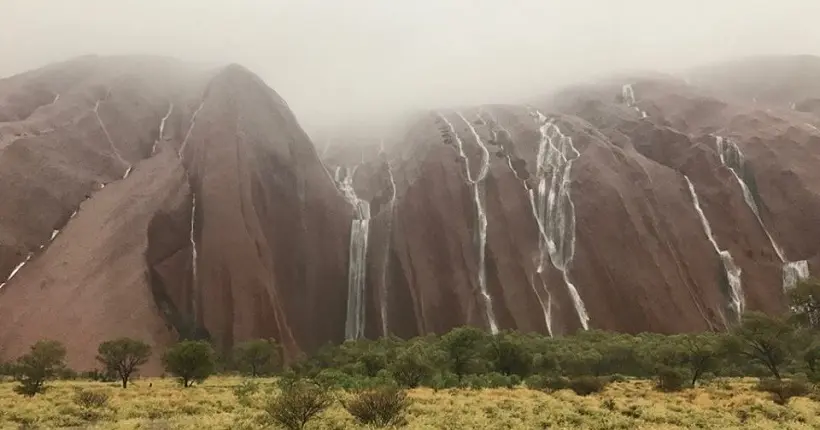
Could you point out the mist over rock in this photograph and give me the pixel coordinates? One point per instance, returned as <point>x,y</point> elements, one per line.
<point>148,198</point>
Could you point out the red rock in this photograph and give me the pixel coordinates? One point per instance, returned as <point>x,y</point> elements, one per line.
<point>271,228</point>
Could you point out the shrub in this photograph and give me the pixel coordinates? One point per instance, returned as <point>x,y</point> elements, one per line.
<point>412,367</point>
<point>98,376</point>
<point>444,380</point>
<point>244,391</point>
<point>91,399</point>
<point>123,357</point>
<point>381,407</point>
<point>43,362</point>
<point>91,403</point>
<point>190,361</point>
<point>466,350</point>
<point>511,356</point>
<point>490,380</point>
<point>671,379</point>
<point>297,404</point>
<point>547,383</point>
<point>257,357</point>
<point>586,385</point>
<point>783,390</point>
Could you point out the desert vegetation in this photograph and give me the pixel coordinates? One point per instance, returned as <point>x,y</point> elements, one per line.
<point>763,373</point>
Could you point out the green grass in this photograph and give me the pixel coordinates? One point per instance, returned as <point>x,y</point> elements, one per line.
<point>724,404</point>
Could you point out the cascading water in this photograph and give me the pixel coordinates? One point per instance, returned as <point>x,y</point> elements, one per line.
<point>476,186</point>
<point>192,232</point>
<point>357,263</point>
<point>546,306</point>
<point>162,128</point>
<point>628,95</point>
<point>192,239</point>
<point>554,206</point>
<point>17,269</point>
<point>733,272</point>
<point>732,158</point>
<point>388,243</point>
<point>111,141</point>
<point>190,129</point>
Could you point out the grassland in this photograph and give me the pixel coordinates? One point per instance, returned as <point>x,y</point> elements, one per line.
<point>161,404</point>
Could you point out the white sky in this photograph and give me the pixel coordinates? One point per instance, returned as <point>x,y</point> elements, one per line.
<point>342,60</point>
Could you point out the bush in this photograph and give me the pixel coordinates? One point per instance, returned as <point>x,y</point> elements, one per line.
<point>333,379</point>
<point>123,357</point>
<point>783,390</point>
<point>190,361</point>
<point>381,407</point>
<point>244,391</point>
<point>98,376</point>
<point>671,379</point>
<point>586,385</point>
<point>297,404</point>
<point>91,399</point>
<point>257,357</point>
<point>44,361</point>
<point>412,367</point>
<point>490,380</point>
<point>547,383</point>
<point>92,404</point>
<point>444,380</point>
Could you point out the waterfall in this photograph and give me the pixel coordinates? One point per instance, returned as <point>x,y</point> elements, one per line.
<point>17,269</point>
<point>553,204</point>
<point>732,158</point>
<point>546,306</point>
<point>388,241</point>
<point>738,301</point>
<point>357,262</point>
<point>476,186</point>
<point>190,129</point>
<point>192,239</point>
<point>162,128</point>
<point>628,95</point>
<point>794,271</point>
<point>111,141</point>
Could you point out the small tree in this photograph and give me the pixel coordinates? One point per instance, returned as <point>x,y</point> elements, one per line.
<point>764,339</point>
<point>412,367</point>
<point>811,357</point>
<point>123,356</point>
<point>257,357</point>
<point>465,348</point>
<point>43,362</point>
<point>805,303</point>
<point>298,403</point>
<point>511,356</point>
<point>190,361</point>
<point>701,353</point>
<point>380,407</point>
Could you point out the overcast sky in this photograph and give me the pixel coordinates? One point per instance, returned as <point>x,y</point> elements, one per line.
<point>338,60</point>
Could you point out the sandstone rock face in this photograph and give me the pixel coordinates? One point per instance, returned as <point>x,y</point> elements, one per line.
<point>150,199</point>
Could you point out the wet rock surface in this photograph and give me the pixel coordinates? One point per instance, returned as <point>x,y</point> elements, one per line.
<point>573,212</point>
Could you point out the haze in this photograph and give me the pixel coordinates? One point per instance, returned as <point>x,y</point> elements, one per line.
<point>357,61</point>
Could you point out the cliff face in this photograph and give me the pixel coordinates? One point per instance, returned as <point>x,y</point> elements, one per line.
<point>149,199</point>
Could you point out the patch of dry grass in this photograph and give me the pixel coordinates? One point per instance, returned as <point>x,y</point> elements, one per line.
<point>627,405</point>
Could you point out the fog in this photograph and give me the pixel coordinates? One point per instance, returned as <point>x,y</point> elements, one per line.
<point>341,61</point>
